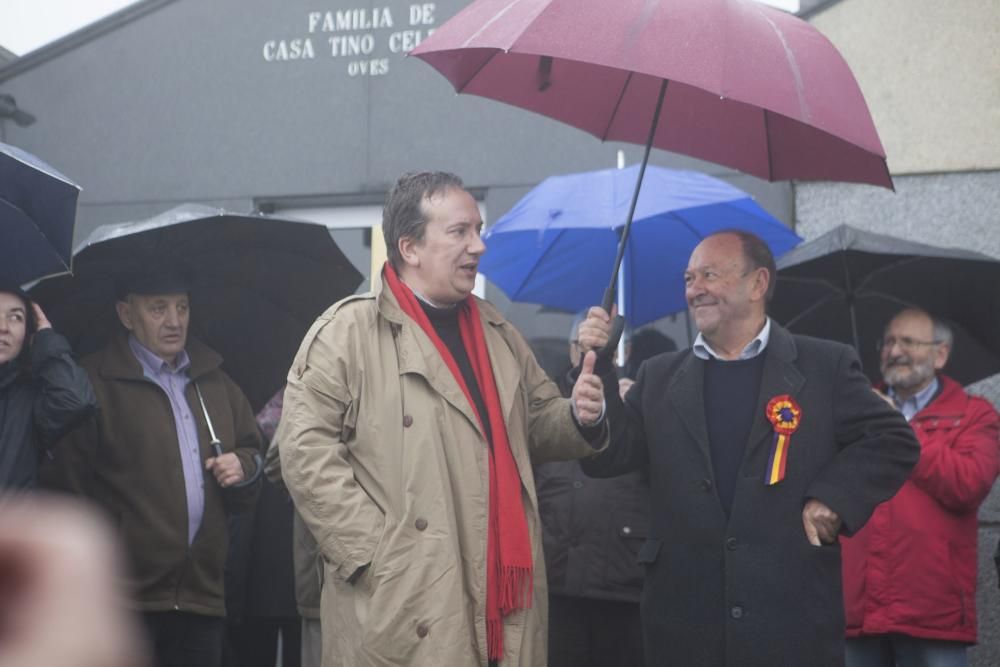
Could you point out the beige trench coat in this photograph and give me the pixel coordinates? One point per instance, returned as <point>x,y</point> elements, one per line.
<point>387,465</point>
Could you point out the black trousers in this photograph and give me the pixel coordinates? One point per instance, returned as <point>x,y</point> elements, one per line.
<point>182,639</point>
<point>254,642</point>
<point>584,632</point>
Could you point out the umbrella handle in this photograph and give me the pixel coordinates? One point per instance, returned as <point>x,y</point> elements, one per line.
<point>258,466</point>
<point>617,327</point>
<point>259,469</point>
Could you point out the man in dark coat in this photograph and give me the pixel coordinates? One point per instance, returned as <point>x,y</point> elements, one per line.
<point>761,448</point>
<point>147,459</point>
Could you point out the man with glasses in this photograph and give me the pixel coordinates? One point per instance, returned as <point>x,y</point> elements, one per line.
<point>910,574</point>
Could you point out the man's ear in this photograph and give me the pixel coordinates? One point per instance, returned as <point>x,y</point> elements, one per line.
<point>407,247</point>
<point>941,355</point>
<point>124,314</point>
<point>761,281</point>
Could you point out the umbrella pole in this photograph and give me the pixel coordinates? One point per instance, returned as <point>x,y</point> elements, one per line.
<point>618,325</point>
<point>622,308</point>
<point>850,308</point>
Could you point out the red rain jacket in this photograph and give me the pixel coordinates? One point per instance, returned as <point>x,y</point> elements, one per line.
<point>912,568</point>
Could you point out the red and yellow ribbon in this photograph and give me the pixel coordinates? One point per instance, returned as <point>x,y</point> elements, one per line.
<point>785,415</point>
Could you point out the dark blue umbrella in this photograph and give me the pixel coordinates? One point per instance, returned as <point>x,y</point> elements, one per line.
<point>557,245</point>
<point>37,214</point>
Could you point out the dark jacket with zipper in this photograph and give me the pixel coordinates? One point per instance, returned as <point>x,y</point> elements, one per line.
<point>592,528</point>
<point>38,407</point>
<point>127,460</point>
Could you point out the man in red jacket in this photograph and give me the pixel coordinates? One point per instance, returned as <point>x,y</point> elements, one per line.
<point>910,573</point>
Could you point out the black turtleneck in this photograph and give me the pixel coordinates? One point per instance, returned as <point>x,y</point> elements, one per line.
<point>445,323</point>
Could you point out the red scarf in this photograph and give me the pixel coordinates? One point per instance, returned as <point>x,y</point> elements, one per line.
<point>509,568</point>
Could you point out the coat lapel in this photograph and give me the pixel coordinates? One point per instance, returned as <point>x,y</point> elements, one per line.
<point>780,377</point>
<point>417,354</point>
<point>687,395</point>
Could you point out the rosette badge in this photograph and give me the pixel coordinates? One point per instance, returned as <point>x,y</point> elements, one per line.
<point>785,416</point>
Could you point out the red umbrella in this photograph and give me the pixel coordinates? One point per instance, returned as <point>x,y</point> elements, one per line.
<point>729,81</point>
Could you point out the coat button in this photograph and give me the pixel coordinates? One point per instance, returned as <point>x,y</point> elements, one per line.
<point>626,530</point>
<point>407,421</point>
<point>577,484</point>
<point>706,485</point>
<point>421,524</point>
<point>422,630</point>
<point>731,544</point>
<point>736,612</point>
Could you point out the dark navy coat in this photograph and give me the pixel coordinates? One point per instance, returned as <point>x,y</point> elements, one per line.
<point>752,591</point>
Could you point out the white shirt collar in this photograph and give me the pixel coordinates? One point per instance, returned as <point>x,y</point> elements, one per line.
<point>703,350</point>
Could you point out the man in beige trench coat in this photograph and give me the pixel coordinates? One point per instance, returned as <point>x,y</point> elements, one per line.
<point>412,417</point>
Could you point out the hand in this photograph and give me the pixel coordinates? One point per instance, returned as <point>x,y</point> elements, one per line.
<point>588,393</point>
<point>624,384</point>
<point>43,322</point>
<point>594,331</point>
<point>885,397</point>
<point>61,601</point>
<point>227,469</point>
<point>820,522</point>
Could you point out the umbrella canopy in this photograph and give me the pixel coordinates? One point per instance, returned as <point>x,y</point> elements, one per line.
<point>37,215</point>
<point>747,86</point>
<point>257,284</point>
<point>733,82</point>
<point>847,284</point>
<point>557,245</point>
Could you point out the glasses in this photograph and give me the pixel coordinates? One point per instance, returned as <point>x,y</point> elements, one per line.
<point>906,343</point>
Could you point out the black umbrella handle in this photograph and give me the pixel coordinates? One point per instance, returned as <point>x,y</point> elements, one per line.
<point>258,464</point>
<point>258,470</point>
<point>617,327</point>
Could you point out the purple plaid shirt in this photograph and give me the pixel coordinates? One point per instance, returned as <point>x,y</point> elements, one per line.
<point>173,382</point>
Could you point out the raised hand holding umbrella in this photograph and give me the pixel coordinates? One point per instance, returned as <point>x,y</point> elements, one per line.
<point>735,82</point>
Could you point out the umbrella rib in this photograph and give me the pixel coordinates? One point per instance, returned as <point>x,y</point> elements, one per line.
<point>611,118</point>
<point>538,262</point>
<point>767,143</point>
<point>822,302</point>
<point>479,69</point>
<point>889,267</point>
<point>884,295</point>
<point>813,281</point>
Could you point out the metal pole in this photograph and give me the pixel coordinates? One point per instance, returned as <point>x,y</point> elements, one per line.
<point>618,324</point>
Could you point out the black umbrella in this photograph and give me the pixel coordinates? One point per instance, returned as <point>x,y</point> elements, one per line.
<point>37,214</point>
<point>847,284</point>
<point>257,284</point>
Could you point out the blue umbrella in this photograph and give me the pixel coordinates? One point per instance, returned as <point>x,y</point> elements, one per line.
<point>37,214</point>
<point>558,244</point>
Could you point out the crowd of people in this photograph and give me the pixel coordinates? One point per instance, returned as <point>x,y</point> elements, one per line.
<point>437,499</point>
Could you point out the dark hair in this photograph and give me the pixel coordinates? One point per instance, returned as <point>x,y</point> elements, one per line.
<point>756,255</point>
<point>403,213</point>
<point>30,324</point>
